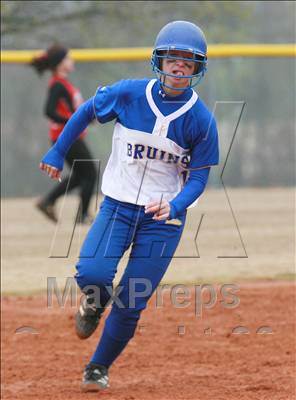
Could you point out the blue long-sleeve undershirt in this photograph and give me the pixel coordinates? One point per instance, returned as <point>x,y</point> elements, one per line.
<point>79,122</point>
<point>82,117</point>
<point>193,188</point>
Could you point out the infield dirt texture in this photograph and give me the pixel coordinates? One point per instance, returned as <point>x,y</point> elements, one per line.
<point>244,352</point>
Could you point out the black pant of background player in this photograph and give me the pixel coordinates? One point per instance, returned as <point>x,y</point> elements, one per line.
<point>83,175</point>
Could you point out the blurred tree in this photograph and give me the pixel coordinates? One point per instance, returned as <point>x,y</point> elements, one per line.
<point>133,23</point>
<point>264,139</point>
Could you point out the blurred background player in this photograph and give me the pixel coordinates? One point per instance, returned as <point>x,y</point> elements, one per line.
<point>62,101</point>
<point>163,130</point>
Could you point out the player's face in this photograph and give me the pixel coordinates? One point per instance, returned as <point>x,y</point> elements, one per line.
<point>178,67</point>
<point>66,65</point>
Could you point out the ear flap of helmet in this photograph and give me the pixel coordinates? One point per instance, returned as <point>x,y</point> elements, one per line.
<point>201,64</point>
<point>157,59</point>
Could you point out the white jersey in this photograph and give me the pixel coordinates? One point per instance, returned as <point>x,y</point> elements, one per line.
<point>158,142</point>
<point>146,166</point>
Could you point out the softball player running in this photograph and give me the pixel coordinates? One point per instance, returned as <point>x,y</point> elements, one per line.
<point>164,143</point>
<point>62,101</point>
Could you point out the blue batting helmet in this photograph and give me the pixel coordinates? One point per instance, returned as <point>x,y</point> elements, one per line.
<point>180,35</point>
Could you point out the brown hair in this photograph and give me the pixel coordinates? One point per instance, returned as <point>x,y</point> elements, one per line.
<point>50,59</point>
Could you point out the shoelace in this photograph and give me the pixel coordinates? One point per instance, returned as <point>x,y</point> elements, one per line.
<point>96,372</point>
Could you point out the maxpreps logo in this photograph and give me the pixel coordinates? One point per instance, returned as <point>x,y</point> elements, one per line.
<point>139,152</point>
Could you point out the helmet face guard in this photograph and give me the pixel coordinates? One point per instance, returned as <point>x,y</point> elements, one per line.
<point>182,36</point>
<point>200,66</point>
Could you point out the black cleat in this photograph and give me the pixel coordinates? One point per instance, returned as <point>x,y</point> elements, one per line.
<point>95,378</point>
<point>47,210</point>
<point>85,219</point>
<point>87,319</point>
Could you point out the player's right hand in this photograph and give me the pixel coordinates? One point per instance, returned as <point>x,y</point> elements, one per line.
<point>51,171</point>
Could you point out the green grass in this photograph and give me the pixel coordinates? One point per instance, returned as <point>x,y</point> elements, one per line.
<point>286,277</point>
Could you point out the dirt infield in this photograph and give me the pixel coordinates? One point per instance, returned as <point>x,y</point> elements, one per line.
<point>174,355</point>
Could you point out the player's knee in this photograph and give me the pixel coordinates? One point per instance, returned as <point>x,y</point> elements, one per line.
<point>88,274</point>
<point>88,173</point>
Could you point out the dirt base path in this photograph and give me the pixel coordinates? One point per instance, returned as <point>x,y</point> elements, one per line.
<point>174,355</point>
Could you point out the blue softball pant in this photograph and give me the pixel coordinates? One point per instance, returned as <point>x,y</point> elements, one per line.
<point>118,226</point>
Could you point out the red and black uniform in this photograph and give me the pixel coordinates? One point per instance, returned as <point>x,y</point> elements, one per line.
<point>62,101</point>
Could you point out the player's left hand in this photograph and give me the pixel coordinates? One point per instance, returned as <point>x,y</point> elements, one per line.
<point>51,171</point>
<point>161,209</point>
